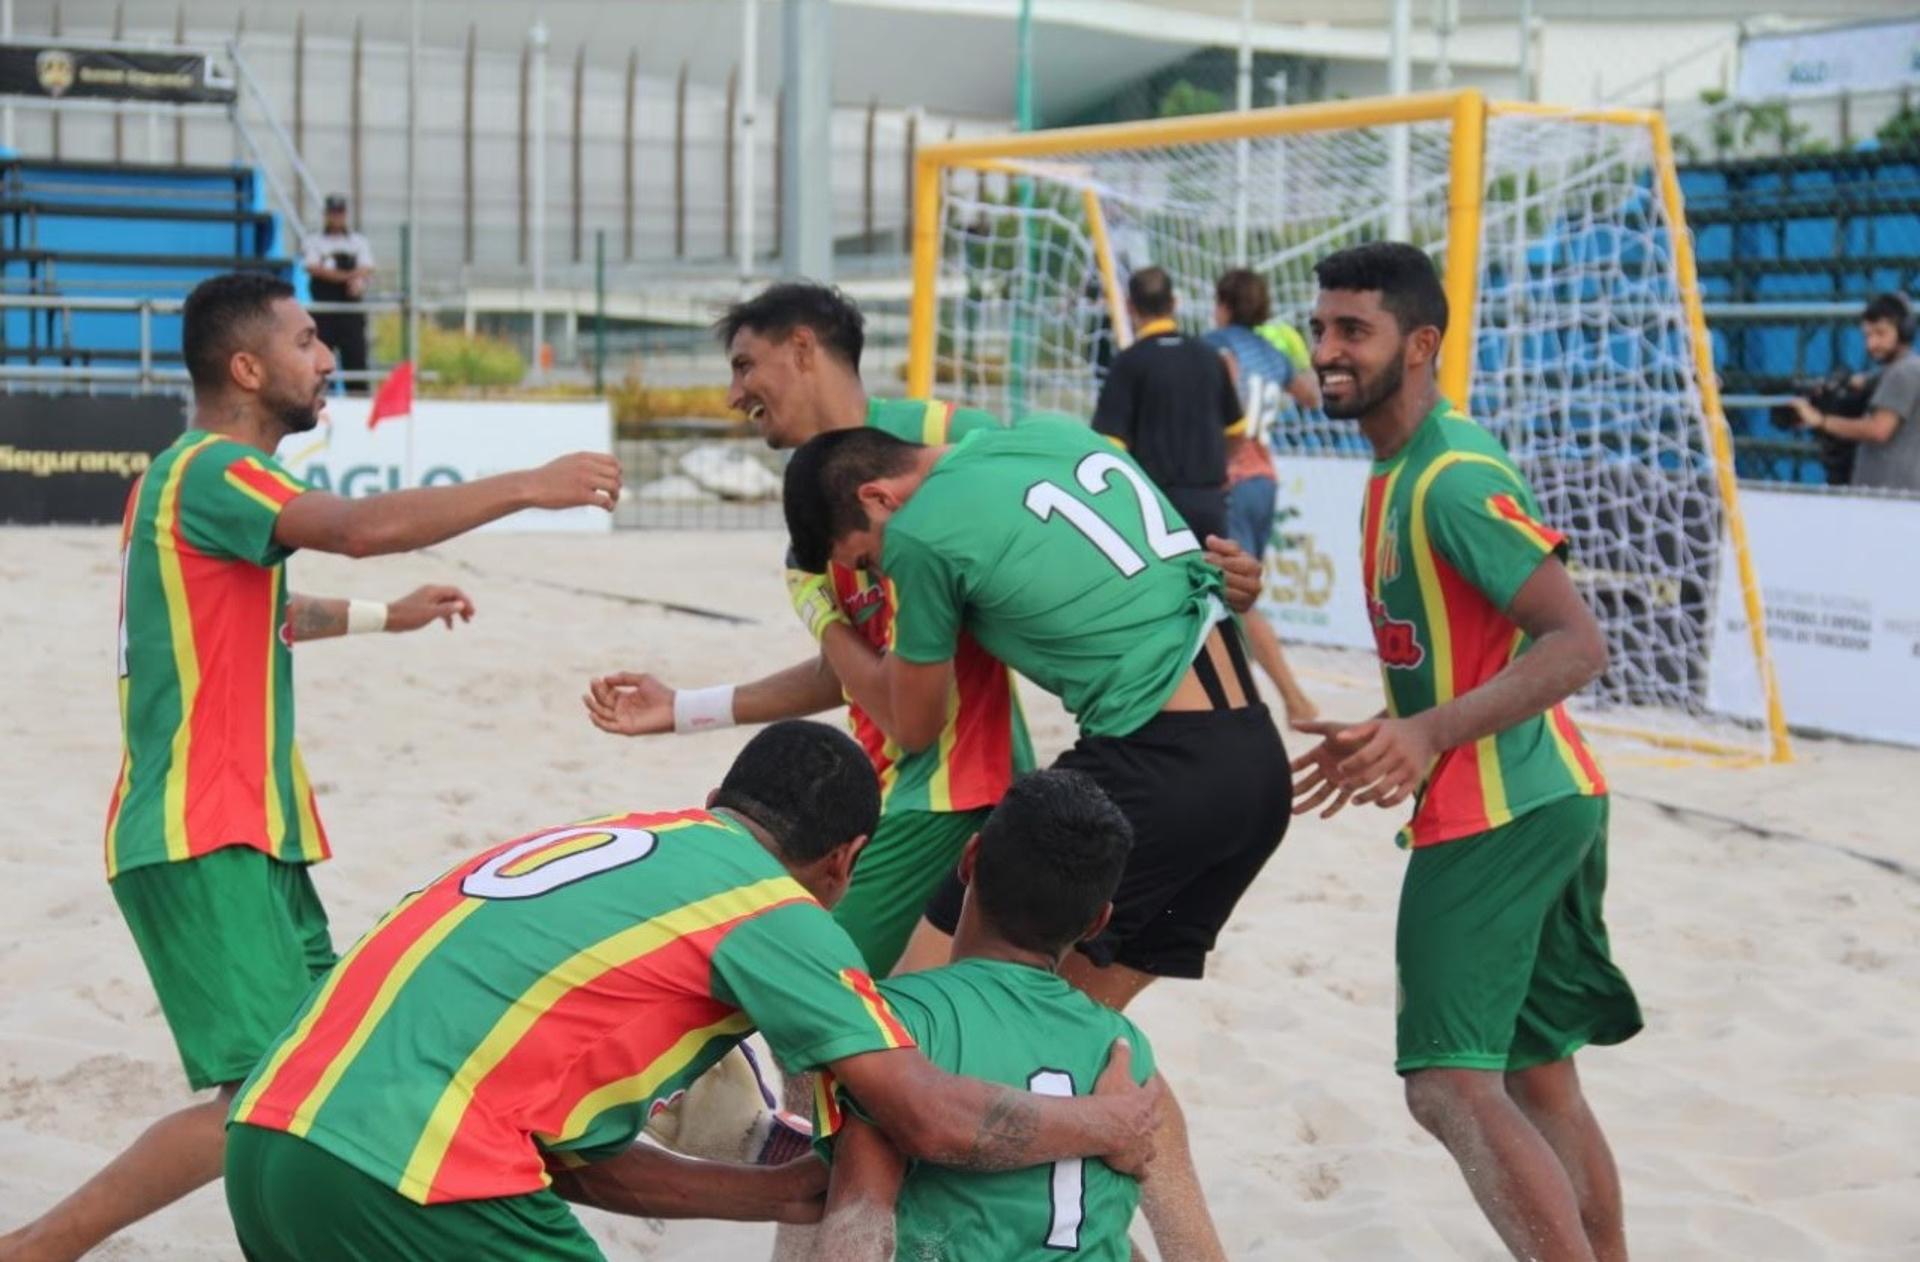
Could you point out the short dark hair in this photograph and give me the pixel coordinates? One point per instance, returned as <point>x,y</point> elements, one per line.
<point>776,311</point>
<point>1244,294</point>
<point>1408,283</point>
<point>1150,292</point>
<point>1894,309</point>
<point>809,785</point>
<point>822,489</point>
<point>1050,858</point>
<point>217,317</point>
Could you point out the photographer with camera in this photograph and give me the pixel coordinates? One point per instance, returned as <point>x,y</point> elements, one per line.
<point>1888,434</point>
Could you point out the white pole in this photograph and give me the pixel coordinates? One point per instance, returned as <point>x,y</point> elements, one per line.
<point>6,32</point>
<point>1399,83</point>
<point>749,88</point>
<point>1526,50</point>
<point>1444,20</point>
<point>539,192</point>
<point>1242,152</point>
<point>417,238</point>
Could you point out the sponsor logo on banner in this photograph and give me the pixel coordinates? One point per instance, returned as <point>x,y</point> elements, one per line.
<point>1314,593</point>
<point>54,69</point>
<point>73,458</point>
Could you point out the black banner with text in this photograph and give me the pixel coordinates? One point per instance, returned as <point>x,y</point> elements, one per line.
<point>64,71</point>
<point>71,458</point>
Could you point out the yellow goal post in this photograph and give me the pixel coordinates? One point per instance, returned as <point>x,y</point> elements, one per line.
<point>1576,331</point>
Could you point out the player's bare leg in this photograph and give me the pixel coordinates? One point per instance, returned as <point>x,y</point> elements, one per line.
<point>1114,985</point>
<point>176,1155</point>
<point>1551,1098</point>
<point>1511,1169</point>
<point>793,1242</point>
<point>1265,647</point>
<point>927,948</point>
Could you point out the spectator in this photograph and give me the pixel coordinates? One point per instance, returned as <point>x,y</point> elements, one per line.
<point>1889,434</point>
<point>1169,402</point>
<point>1265,378</point>
<point>340,263</point>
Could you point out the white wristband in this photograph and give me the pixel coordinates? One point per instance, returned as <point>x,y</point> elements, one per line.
<point>366,615</point>
<point>703,709</point>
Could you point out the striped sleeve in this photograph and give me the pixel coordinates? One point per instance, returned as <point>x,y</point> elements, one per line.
<point>1482,518</point>
<point>230,503</point>
<point>801,981</point>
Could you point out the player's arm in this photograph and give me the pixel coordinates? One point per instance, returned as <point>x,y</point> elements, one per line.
<point>1878,426</point>
<point>1171,1196</point>
<point>1113,410</point>
<point>630,703</point>
<point>868,1170</point>
<point>932,1115</point>
<point>322,617</point>
<point>401,521</point>
<point>907,699</point>
<point>1237,429</point>
<point>650,1182</point>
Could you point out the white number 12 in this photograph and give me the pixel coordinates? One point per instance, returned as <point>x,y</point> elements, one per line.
<point>1094,474</point>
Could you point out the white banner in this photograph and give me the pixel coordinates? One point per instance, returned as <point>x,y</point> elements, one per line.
<point>1840,579</point>
<point>1314,594</point>
<point>447,441</point>
<point>1861,57</point>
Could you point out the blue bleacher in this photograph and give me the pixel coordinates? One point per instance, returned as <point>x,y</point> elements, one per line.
<point>122,230</point>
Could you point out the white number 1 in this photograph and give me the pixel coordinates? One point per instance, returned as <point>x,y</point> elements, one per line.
<point>1094,474</point>
<point>1068,1192</point>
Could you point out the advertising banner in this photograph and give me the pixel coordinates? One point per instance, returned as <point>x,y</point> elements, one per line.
<point>446,441</point>
<point>71,71</point>
<point>1859,57</point>
<point>72,458</point>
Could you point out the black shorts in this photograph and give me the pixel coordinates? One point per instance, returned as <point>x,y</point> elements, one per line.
<point>1209,795</point>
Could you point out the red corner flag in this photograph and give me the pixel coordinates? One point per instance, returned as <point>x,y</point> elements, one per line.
<point>395,396</point>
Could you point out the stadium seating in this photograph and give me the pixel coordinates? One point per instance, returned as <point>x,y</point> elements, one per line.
<point>80,230</point>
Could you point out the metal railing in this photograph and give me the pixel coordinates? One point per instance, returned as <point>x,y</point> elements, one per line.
<point>249,87</point>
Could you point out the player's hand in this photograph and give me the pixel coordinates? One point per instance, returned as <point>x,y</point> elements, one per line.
<point>801,1189</point>
<point>1139,1110</point>
<point>813,599</point>
<point>1313,778</point>
<point>428,604</point>
<point>1380,761</point>
<point>584,479</point>
<point>1241,571</point>
<point>629,704</point>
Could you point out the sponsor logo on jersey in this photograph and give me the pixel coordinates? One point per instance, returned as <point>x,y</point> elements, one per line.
<point>864,603</point>
<point>1397,639</point>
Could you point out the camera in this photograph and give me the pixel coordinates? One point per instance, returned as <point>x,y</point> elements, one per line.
<point>1842,394</point>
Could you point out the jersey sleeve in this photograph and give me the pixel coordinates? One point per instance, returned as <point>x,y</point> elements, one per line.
<point>1898,391</point>
<point>800,979</point>
<point>1483,520</point>
<point>230,501</point>
<point>927,597</point>
<point>833,1103</point>
<point>1113,413</point>
<point>966,421</point>
<point>363,251</point>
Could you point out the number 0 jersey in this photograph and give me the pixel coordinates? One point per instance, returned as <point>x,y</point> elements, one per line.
<point>1021,1027</point>
<point>543,998</point>
<point>1055,552</point>
<point>206,674</point>
<point>1449,534</point>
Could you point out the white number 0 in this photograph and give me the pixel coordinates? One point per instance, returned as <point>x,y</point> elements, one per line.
<point>1068,1193</point>
<point>500,877</point>
<point>1094,474</point>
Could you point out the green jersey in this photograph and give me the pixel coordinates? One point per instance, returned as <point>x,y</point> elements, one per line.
<point>1450,532</point>
<point>1022,1027</point>
<point>984,744</point>
<point>538,1002</point>
<point>206,676</point>
<point>1058,555</point>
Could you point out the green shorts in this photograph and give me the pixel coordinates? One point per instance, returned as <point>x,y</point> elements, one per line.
<point>1502,949</point>
<point>293,1201</point>
<point>233,941</point>
<point>910,853</point>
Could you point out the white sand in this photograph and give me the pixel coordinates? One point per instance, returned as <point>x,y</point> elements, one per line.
<point>1771,1110</point>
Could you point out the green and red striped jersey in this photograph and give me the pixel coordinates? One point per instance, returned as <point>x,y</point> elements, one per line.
<point>206,672</point>
<point>1449,533</point>
<point>984,743</point>
<point>536,1004</point>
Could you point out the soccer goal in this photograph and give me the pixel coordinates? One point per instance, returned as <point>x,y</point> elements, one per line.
<point>1576,335</point>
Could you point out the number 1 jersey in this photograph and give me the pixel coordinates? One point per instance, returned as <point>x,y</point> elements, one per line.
<point>1062,559</point>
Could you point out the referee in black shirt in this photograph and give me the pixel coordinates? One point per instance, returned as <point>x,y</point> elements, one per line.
<point>1168,400</point>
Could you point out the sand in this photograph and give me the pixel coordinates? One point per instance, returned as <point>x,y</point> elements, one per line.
<point>1771,1110</point>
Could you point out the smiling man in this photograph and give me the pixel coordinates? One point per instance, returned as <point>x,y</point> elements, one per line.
<point>212,823</point>
<point>1503,959</point>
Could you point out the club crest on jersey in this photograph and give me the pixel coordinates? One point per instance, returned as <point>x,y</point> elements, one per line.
<point>862,604</point>
<point>1397,639</point>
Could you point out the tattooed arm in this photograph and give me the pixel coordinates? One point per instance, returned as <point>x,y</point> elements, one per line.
<point>322,617</point>
<point>962,1122</point>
